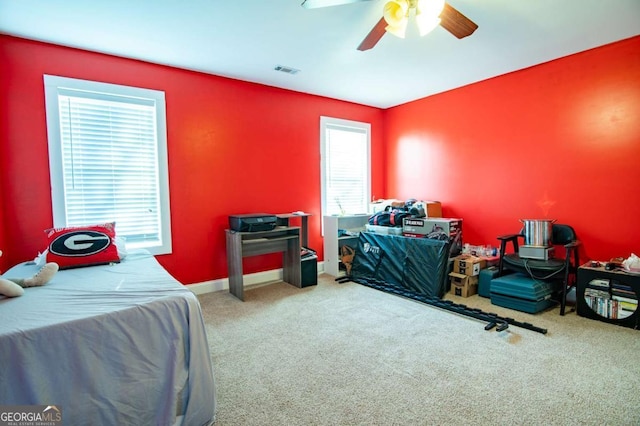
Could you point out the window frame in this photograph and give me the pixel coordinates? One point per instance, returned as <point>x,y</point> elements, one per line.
<point>327,123</point>
<point>53,86</point>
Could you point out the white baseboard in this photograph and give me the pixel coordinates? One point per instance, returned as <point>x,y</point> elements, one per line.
<point>257,278</point>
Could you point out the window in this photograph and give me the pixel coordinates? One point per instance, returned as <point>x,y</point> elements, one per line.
<point>345,166</point>
<point>108,159</point>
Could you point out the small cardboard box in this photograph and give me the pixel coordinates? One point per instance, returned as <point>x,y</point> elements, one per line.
<point>467,264</point>
<point>433,208</point>
<point>463,285</point>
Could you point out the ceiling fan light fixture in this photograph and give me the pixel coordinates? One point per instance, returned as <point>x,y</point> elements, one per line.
<point>428,15</point>
<point>430,8</point>
<point>426,23</point>
<point>396,14</point>
<point>399,30</point>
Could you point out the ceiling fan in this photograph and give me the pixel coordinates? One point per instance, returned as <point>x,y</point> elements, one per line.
<point>428,15</point>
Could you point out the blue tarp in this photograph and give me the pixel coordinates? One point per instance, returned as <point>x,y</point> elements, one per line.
<point>415,264</point>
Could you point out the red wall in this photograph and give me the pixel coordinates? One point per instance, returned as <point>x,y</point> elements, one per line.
<point>560,140</point>
<point>234,147</point>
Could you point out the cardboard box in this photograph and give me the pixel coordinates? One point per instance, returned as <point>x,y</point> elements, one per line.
<point>467,264</point>
<point>431,208</point>
<point>463,285</point>
<point>431,227</point>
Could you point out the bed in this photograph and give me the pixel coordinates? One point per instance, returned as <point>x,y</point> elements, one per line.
<point>114,344</point>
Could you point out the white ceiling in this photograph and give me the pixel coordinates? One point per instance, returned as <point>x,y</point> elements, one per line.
<point>245,40</point>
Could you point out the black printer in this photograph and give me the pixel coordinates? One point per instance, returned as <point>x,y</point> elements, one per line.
<point>252,222</point>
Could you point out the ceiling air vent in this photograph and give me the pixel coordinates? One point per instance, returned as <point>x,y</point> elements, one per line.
<point>288,70</point>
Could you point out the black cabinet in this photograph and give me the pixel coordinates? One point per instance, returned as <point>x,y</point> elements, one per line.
<point>609,296</point>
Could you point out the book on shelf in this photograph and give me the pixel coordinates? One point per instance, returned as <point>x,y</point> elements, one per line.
<point>623,290</point>
<point>592,292</point>
<point>621,293</point>
<point>606,307</point>
<point>621,286</point>
<point>600,283</point>
<point>627,304</point>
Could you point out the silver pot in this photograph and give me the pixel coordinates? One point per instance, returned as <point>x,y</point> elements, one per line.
<point>537,232</point>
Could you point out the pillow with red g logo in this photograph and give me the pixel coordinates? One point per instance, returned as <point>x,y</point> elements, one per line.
<point>82,245</point>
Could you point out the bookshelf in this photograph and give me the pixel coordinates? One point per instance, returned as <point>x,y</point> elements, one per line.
<point>338,231</point>
<point>609,296</point>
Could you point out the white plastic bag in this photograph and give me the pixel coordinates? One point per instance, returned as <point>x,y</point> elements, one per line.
<point>632,263</point>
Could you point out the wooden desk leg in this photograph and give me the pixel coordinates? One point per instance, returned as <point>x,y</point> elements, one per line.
<point>291,269</point>
<point>304,230</point>
<point>234,265</point>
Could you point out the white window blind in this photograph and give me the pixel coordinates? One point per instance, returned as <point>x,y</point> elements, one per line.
<point>346,179</point>
<point>108,159</point>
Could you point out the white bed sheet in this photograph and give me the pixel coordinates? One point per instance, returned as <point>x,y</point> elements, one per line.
<point>120,344</point>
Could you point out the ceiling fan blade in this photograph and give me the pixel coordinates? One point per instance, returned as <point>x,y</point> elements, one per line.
<point>313,4</point>
<point>374,35</point>
<point>456,23</point>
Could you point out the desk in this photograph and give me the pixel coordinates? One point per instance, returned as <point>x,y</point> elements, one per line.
<point>283,220</point>
<point>284,239</point>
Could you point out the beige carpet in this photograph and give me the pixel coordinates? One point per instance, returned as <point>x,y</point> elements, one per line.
<point>346,354</point>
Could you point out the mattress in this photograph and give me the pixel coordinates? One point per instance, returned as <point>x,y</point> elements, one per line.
<point>111,344</point>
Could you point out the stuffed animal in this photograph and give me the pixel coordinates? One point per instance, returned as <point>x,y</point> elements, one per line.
<point>346,256</point>
<point>14,287</point>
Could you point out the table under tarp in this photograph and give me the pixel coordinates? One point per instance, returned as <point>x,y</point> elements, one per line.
<point>419,265</point>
